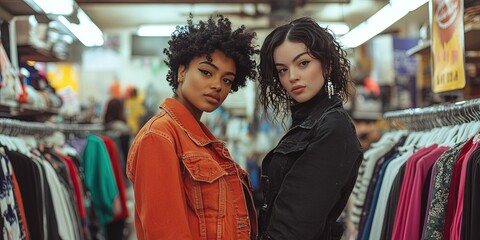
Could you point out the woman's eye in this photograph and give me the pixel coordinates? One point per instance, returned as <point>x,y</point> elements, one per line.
<point>280,71</point>
<point>205,72</point>
<point>304,63</point>
<point>228,81</point>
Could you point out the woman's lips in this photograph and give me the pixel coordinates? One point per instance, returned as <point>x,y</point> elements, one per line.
<point>298,89</point>
<point>211,98</point>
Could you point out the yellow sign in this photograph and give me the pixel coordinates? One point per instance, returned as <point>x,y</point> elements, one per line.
<point>448,55</point>
<point>63,75</point>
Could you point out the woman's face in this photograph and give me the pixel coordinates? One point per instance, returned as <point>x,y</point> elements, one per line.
<point>204,85</point>
<point>300,74</point>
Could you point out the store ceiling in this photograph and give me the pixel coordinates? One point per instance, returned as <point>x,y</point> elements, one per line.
<point>122,14</point>
<point>255,14</point>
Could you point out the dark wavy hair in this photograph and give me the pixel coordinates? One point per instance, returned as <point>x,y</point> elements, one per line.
<point>195,40</point>
<point>321,44</point>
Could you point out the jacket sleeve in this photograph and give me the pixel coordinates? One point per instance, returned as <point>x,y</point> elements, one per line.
<point>316,181</point>
<point>160,205</point>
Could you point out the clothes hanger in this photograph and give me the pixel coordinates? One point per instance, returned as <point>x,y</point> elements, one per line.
<point>22,147</point>
<point>429,137</point>
<point>452,126</point>
<point>410,141</point>
<point>384,138</point>
<point>3,142</point>
<point>472,125</point>
<point>399,134</point>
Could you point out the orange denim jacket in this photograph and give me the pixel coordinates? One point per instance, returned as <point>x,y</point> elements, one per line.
<point>186,185</point>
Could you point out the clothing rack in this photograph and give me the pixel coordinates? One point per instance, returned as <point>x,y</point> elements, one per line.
<point>13,127</point>
<point>435,116</point>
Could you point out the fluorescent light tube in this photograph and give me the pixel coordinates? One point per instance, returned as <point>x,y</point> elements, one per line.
<point>380,21</point>
<point>87,32</point>
<point>56,7</point>
<point>338,28</point>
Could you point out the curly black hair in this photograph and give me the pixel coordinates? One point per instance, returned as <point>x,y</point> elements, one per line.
<point>195,40</point>
<point>321,44</point>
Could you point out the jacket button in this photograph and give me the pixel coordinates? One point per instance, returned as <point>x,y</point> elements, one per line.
<point>264,207</point>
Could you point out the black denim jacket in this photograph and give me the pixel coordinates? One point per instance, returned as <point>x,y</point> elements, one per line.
<point>308,177</point>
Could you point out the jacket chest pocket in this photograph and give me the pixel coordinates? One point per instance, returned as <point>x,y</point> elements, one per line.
<point>288,152</point>
<point>205,184</point>
<point>203,168</point>
<point>289,147</point>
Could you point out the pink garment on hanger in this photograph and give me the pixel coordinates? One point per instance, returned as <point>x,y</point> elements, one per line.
<point>405,191</point>
<point>413,212</point>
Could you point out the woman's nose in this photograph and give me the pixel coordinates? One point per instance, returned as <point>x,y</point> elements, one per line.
<point>216,84</point>
<point>293,75</point>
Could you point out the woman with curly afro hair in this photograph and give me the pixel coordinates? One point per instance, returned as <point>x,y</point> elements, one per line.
<point>308,177</point>
<point>186,184</point>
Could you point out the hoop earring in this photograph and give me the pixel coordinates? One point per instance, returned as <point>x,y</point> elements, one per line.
<point>330,89</point>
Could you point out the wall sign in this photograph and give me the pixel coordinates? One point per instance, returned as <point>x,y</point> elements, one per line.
<point>448,53</point>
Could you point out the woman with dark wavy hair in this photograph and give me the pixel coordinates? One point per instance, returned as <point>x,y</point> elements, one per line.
<point>186,184</point>
<point>308,177</point>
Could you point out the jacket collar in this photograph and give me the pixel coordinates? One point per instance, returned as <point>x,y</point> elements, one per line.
<point>197,131</point>
<point>306,114</point>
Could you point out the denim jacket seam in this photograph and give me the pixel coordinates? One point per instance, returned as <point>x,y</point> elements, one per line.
<point>311,123</point>
<point>200,142</point>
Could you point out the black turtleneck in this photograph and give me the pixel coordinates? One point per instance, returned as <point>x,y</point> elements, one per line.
<point>319,102</point>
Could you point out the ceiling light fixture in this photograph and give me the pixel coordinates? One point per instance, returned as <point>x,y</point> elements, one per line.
<point>56,7</point>
<point>156,30</point>
<point>384,18</point>
<point>338,28</point>
<point>86,31</point>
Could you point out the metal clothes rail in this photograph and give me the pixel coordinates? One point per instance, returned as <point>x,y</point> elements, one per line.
<point>12,127</point>
<point>436,116</point>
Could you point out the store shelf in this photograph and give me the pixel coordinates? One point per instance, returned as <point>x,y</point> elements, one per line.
<point>11,8</point>
<point>31,53</point>
<point>472,34</point>
<point>474,55</point>
<point>25,112</point>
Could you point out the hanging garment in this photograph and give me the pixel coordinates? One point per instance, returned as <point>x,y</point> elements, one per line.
<point>471,208</point>
<point>391,172</point>
<point>412,215</point>
<point>116,227</point>
<point>457,218</point>
<point>392,203</point>
<point>78,191</point>
<point>405,192</point>
<point>397,201</point>
<point>439,193</point>
<point>113,152</point>
<point>99,178</point>
<point>19,200</point>
<point>365,231</point>
<point>12,224</point>
<point>455,187</point>
<point>28,178</point>
<point>365,173</point>
<point>61,202</point>
<point>65,175</point>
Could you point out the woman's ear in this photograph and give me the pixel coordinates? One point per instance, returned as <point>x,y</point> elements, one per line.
<point>181,73</point>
